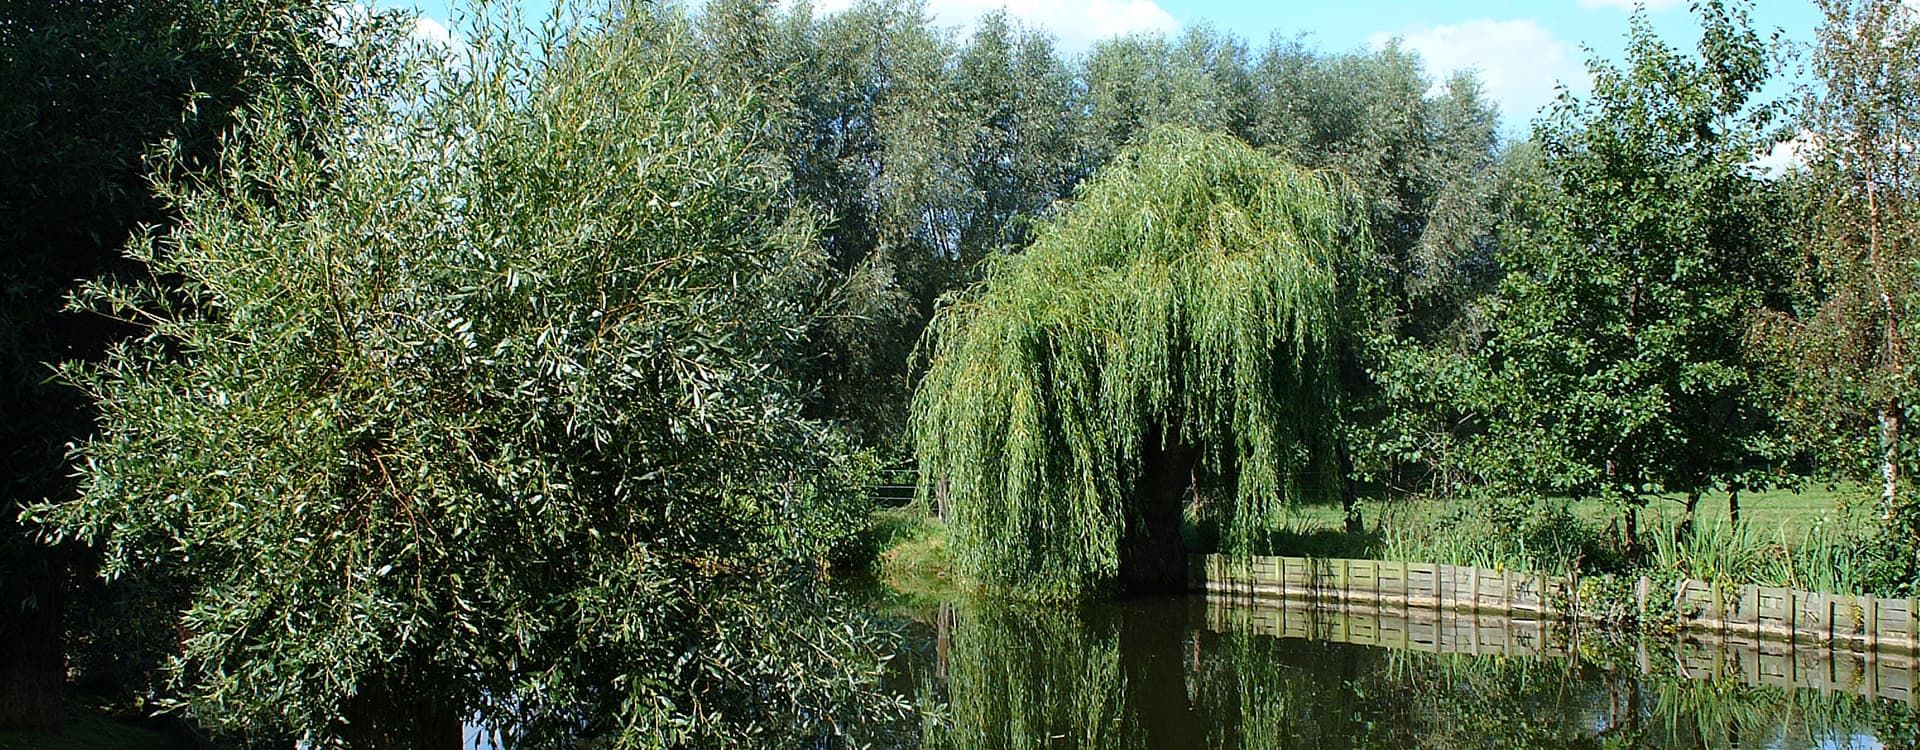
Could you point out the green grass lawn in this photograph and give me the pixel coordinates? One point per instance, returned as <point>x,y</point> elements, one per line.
<point>1773,512</point>
<point>913,557</point>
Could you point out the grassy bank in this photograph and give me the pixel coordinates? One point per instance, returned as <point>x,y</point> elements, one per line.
<point>1769,514</point>
<point>1821,539</point>
<point>913,557</point>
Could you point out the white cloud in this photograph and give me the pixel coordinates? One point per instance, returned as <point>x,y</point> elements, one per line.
<point>1629,5</point>
<point>427,29</point>
<point>1076,24</point>
<point>1519,62</point>
<point>1791,155</point>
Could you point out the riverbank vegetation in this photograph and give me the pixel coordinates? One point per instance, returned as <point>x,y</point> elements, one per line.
<point>361,385</point>
<point>1658,322</point>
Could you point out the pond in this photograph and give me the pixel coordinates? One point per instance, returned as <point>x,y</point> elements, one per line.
<point>1198,673</point>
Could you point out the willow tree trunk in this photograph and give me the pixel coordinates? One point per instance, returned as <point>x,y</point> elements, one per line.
<point>1153,556</point>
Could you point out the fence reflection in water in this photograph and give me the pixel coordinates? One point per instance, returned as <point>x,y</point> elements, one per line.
<point>1233,672</point>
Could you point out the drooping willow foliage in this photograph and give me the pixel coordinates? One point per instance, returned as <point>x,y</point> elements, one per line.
<point>1188,295</point>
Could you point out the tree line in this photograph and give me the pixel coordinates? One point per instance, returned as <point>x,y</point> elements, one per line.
<point>521,378</point>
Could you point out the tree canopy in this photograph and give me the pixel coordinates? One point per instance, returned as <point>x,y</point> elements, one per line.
<point>1188,298</point>
<point>465,400</point>
<point>1619,366</point>
<point>527,377</point>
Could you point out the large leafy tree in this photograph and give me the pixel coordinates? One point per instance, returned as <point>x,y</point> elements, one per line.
<point>465,396</point>
<point>1176,324</point>
<point>928,154</point>
<point>1430,174</point>
<point>90,88</point>
<point>853,82</point>
<point>1426,167</point>
<point>923,154</point>
<point>1009,142</point>
<point>1619,367</point>
<point>1134,83</point>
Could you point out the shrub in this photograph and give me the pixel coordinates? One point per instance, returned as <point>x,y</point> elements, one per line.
<point>464,396</point>
<point>1538,535</point>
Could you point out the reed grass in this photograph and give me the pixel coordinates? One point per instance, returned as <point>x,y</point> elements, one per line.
<point>1541,536</point>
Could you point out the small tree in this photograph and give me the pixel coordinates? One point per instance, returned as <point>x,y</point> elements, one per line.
<point>468,401</point>
<point>1851,345</point>
<point>1619,367</point>
<point>1176,324</point>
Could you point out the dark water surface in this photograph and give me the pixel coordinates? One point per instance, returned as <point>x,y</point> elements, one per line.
<point>1194,673</point>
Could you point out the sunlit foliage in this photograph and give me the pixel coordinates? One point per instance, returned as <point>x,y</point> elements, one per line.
<point>1187,297</point>
<point>1634,269</point>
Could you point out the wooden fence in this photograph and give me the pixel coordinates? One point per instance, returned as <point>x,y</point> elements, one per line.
<point>1756,612</point>
<point>1705,656</point>
<point>1762,612</point>
<point>1387,626</point>
<point>1380,581</point>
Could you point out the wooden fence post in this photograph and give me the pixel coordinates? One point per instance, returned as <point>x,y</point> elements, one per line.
<point>1832,616</point>
<point>1793,618</point>
<point>1913,633</point>
<point>1871,611</point>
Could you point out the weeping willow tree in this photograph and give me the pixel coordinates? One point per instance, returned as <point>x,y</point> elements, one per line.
<point>1175,328</point>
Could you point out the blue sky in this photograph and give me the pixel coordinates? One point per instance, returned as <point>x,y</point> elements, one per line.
<point>1522,49</point>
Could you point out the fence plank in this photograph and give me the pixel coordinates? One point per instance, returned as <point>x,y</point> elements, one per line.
<point>1764,613</point>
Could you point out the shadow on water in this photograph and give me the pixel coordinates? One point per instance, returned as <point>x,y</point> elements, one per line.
<point>1194,673</point>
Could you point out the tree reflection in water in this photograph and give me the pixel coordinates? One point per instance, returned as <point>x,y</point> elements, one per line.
<point>1162,673</point>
